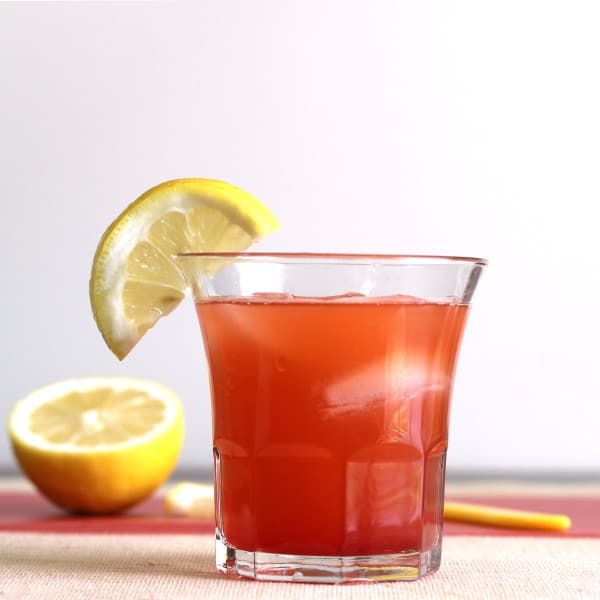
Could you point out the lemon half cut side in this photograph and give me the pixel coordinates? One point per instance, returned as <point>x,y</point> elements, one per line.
<point>135,280</point>
<point>99,444</point>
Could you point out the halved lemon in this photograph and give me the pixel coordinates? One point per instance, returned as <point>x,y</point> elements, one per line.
<point>100,444</point>
<point>135,280</point>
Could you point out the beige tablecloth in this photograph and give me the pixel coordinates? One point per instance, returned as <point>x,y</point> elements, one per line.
<point>182,566</point>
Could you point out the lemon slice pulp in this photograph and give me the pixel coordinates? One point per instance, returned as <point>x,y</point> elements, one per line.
<point>135,280</point>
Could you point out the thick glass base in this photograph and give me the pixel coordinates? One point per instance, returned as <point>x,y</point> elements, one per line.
<point>265,566</point>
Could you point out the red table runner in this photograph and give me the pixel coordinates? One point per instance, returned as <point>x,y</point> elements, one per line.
<point>27,511</point>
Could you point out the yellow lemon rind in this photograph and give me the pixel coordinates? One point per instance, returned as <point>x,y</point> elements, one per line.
<point>131,227</point>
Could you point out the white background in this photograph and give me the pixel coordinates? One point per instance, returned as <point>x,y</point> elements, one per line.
<point>423,127</point>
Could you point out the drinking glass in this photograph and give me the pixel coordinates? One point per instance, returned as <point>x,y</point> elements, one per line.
<point>330,378</point>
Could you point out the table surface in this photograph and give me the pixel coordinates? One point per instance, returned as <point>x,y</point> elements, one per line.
<point>45,553</point>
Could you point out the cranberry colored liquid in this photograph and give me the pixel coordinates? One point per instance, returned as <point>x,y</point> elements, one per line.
<point>330,421</point>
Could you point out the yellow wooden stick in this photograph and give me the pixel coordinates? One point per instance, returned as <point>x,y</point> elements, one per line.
<point>505,517</point>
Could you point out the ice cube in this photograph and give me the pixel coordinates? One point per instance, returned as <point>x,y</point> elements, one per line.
<point>272,297</point>
<point>393,380</point>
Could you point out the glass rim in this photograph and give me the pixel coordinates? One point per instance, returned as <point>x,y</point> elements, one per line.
<point>333,257</point>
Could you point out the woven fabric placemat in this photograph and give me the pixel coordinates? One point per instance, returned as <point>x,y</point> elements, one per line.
<point>62,566</point>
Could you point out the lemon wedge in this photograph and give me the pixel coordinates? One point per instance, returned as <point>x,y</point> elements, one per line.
<point>187,499</point>
<point>100,444</point>
<point>135,280</point>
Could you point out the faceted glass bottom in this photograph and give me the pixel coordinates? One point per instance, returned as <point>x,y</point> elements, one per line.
<point>266,566</point>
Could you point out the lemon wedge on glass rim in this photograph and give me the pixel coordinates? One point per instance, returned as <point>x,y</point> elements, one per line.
<point>135,280</point>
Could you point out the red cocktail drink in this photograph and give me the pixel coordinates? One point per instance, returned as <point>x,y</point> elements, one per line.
<point>330,421</point>
<point>330,426</point>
